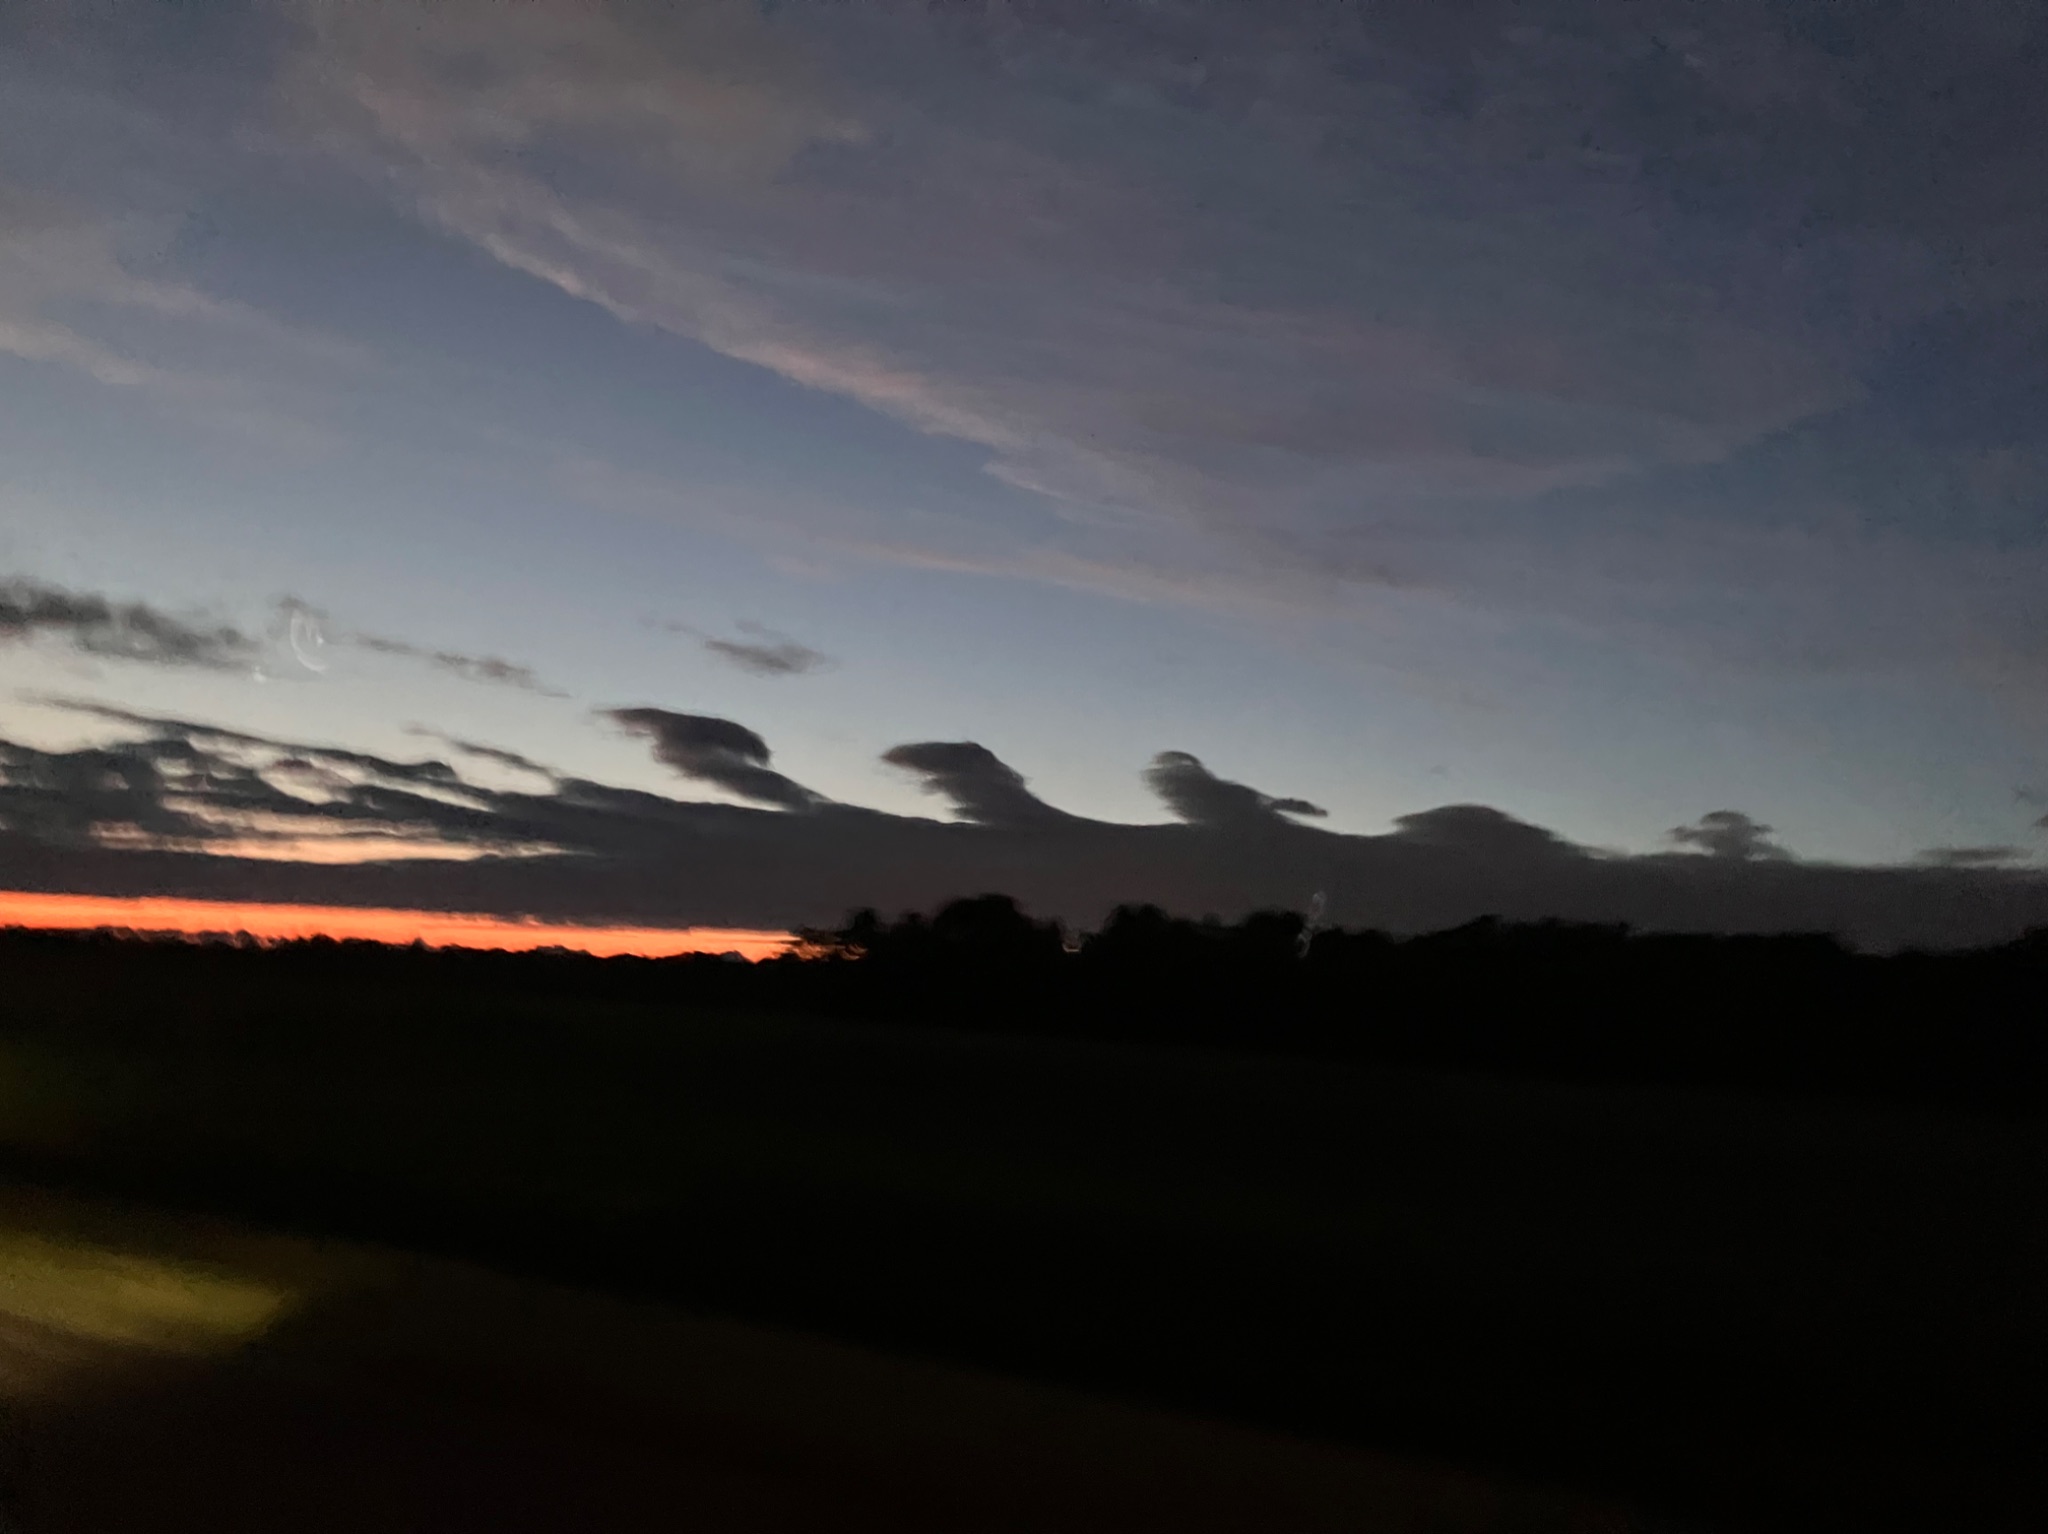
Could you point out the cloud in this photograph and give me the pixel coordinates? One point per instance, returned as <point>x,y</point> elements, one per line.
<point>1198,796</point>
<point>782,659</point>
<point>96,625</point>
<point>186,786</point>
<point>716,751</point>
<point>181,808</point>
<point>495,754</point>
<point>136,631</point>
<point>766,653</point>
<point>304,629</point>
<point>1972,857</point>
<point>471,668</point>
<point>84,288</point>
<point>1290,298</point>
<point>1410,316</point>
<point>1728,834</point>
<point>1480,829</point>
<point>984,789</point>
<point>1606,320</point>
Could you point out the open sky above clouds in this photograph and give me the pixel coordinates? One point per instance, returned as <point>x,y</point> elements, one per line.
<point>1610,414</point>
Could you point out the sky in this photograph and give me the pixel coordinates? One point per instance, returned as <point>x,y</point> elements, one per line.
<point>1602,415</point>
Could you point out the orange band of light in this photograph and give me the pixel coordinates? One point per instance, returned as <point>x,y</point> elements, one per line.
<point>438,929</point>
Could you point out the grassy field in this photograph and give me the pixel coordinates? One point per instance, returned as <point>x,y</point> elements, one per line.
<point>1767,1315</point>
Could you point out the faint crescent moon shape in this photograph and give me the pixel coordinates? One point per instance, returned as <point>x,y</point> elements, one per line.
<point>299,628</point>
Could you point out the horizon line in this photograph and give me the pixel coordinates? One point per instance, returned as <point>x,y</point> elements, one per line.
<point>193,917</point>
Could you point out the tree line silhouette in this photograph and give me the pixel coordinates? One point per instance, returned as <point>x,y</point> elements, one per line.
<point>1796,1014</point>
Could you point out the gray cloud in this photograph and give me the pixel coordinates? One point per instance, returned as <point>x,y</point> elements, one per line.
<point>1972,857</point>
<point>303,628</point>
<point>135,631</point>
<point>983,787</point>
<point>172,807</point>
<point>1479,829</point>
<point>1728,834</point>
<point>1198,796</point>
<point>1142,386</point>
<point>496,754</point>
<point>186,786</point>
<point>471,668</point>
<point>1320,292</point>
<point>716,751</point>
<point>765,653</point>
<point>1286,298</point>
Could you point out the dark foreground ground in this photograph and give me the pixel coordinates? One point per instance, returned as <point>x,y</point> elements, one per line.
<point>1730,1310</point>
<point>393,1393</point>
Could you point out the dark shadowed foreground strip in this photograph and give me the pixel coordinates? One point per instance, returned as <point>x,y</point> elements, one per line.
<point>1767,1313</point>
<point>186,1375</point>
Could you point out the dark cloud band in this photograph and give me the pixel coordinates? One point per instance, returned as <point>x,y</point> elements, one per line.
<point>170,808</point>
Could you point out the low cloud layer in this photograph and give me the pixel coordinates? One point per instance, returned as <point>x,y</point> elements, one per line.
<point>1728,834</point>
<point>1973,857</point>
<point>715,751</point>
<point>1201,798</point>
<point>170,806</point>
<point>984,789</point>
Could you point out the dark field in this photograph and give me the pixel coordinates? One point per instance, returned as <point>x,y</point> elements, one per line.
<point>1755,1312</point>
<point>397,1393</point>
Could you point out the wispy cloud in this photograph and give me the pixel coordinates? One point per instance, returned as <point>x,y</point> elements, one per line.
<point>71,297</point>
<point>308,632</point>
<point>1259,298</point>
<point>934,300</point>
<point>95,625</point>
<point>768,658</point>
<point>489,669</point>
<point>497,755</point>
<point>763,652</point>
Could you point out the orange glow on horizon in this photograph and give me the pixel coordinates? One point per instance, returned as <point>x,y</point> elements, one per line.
<point>437,929</point>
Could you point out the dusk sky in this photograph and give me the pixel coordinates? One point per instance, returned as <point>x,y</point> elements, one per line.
<point>1608,415</point>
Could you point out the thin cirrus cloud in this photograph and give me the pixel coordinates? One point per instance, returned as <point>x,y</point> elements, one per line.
<point>170,807</point>
<point>1597,316</point>
<point>1289,294</point>
<point>74,296</point>
<point>1135,389</point>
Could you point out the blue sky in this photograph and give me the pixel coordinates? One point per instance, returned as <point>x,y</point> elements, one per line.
<point>1607,419</point>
